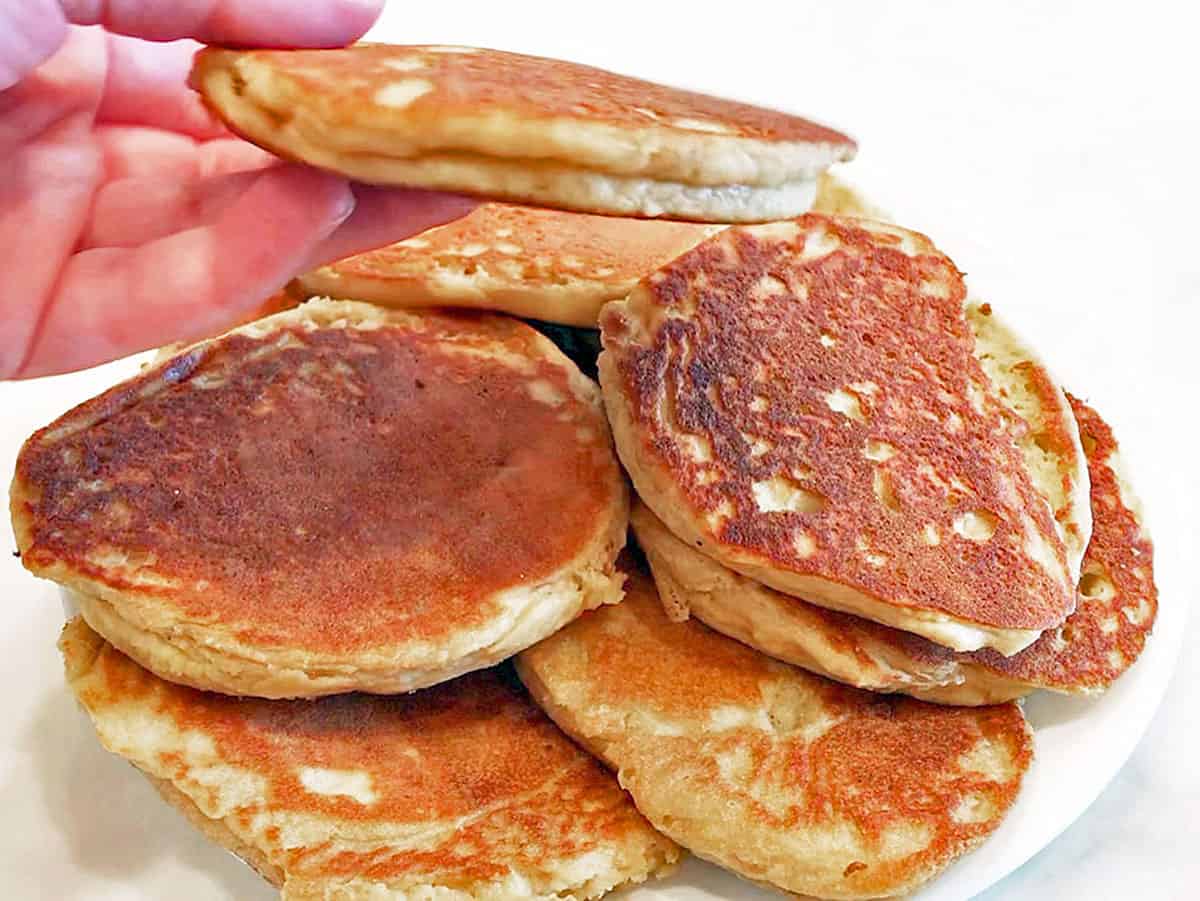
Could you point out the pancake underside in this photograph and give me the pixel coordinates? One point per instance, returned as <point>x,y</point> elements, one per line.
<point>530,180</point>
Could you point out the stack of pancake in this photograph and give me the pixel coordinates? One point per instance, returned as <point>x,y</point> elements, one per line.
<point>304,550</point>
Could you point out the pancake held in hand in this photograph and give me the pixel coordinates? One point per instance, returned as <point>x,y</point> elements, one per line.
<point>465,791</point>
<point>334,498</point>
<point>1115,612</point>
<point>801,401</point>
<point>540,264</point>
<point>781,776</point>
<point>521,128</point>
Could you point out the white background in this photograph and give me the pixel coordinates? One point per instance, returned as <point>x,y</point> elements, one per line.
<point>1049,148</point>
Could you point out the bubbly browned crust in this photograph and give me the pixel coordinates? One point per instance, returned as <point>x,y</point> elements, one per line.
<point>1117,605</point>
<point>466,787</point>
<point>800,400</point>
<point>783,777</point>
<point>333,498</point>
<point>542,264</point>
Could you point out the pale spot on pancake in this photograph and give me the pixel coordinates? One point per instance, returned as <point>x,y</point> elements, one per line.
<point>844,402</point>
<point>503,232</point>
<point>415,243</point>
<point>937,289</point>
<point>707,125</point>
<point>506,247</point>
<point>781,494</point>
<point>870,389</point>
<point>879,451</point>
<point>400,94</point>
<point>1109,625</point>
<point>973,807</point>
<point>355,784</point>
<point>804,544</point>
<point>696,447</point>
<point>930,535</point>
<point>604,272</point>
<point>819,243</point>
<point>648,113</point>
<point>1139,614</point>
<point>734,765</point>
<point>407,64</point>
<point>717,518</point>
<point>827,340</point>
<point>729,716</point>
<point>471,250</point>
<point>783,230</point>
<point>987,757</point>
<point>975,525</point>
<point>759,404</point>
<point>882,485</point>
<point>707,476</point>
<point>1116,659</point>
<point>768,286</point>
<point>758,446</point>
<point>954,423</point>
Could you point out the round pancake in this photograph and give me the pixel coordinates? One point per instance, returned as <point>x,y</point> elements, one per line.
<point>802,402</point>
<point>781,776</point>
<point>520,128</point>
<point>537,263</point>
<point>462,791</point>
<point>334,498</point>
<point>1117,605</point>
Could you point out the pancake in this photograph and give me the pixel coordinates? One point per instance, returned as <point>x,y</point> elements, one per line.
<point>1115,612</point>
<point>541,264</point>
<point>520,128</point>
<point>783,777</point>
<point>334,498</point>
<point>802,402</point>
<point>462,791</point>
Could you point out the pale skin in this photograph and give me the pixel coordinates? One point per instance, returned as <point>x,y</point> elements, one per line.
<point>129,217</point>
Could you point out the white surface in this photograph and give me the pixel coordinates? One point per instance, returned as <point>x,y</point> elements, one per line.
<point>1050,149</point>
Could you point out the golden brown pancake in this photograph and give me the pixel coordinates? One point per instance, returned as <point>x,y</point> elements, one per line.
<point>521,128</point>
<point>801,401</point>
<point>334,498</point>
<point>465,790</point>
<point>1117,604</point>
<point>537,263</point>
<point>783,777</point>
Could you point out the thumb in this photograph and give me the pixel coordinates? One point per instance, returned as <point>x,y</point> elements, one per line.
<point>30,32</point>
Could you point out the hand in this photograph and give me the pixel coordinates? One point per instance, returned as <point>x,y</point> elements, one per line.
<point>129,217</point>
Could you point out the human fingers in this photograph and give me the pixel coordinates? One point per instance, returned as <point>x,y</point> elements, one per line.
<point>134,152</point>
<point>30,32</point>
<point>110,302</point>
<point>385,215</point>
<point>146,84</point>
<point>258,23</point>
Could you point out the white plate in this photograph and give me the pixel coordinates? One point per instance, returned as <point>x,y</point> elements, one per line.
<point>81,824</point>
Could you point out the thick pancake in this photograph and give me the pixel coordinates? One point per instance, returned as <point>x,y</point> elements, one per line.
<point>462,791</point>
<point>802,402</point>
<point>1117,604</point>
<point>521,128</point>
<point>334,498</point>
<point>781,776</point>
<point>540,264</point>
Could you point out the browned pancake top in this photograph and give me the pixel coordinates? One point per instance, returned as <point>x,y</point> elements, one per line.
<point>830,753</point>
<point>829,363</point>
<point>531,247</point>
<point>1117,598</point>
<point>475,748</point>
<point>474,82</point>
<point>332,488</point>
